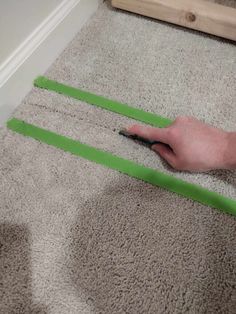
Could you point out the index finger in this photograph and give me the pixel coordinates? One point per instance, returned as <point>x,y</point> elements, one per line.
<point>150,133</point>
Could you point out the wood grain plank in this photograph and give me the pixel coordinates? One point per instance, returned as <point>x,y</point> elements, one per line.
<point>200,15</point>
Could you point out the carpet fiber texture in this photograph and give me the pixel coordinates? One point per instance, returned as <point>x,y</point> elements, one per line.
<point>76,237</point>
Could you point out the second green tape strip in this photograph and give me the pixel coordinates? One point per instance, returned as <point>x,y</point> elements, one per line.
<point>128,167</point>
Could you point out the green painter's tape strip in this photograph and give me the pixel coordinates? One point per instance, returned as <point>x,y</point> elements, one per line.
<point>128,167</point>
<point>111,105</point>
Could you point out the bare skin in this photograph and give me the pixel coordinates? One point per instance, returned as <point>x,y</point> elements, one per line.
<point>193,145</point>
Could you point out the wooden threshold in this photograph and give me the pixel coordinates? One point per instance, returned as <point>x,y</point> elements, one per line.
<point>200,15</point>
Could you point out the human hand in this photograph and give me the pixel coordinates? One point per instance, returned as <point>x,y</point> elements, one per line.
<point>193,145</point>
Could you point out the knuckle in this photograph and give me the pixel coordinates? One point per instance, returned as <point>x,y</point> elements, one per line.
<point>173,133</point>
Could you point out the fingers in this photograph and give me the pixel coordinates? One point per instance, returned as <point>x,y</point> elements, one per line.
<point>165,135</point>
<point>166,153</point>
<point>155,134</point>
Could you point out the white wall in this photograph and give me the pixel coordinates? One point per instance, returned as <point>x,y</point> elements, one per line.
<point>18,18</point>
<point>32,35</point>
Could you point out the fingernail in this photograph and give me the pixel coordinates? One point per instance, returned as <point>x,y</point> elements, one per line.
<point>125,132</point>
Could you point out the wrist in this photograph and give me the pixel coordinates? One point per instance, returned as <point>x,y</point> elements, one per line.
<point>230,152</point>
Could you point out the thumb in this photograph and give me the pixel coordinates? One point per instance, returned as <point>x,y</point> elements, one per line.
<point>166,153</point>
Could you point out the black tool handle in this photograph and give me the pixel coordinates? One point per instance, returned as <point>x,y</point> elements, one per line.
<point>138,138</point>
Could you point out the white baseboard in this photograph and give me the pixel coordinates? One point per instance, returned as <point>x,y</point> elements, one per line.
<point>39,50</point>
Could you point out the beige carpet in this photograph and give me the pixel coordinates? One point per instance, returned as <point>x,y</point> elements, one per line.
<point>78,238</point>
<point>229,3</point>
